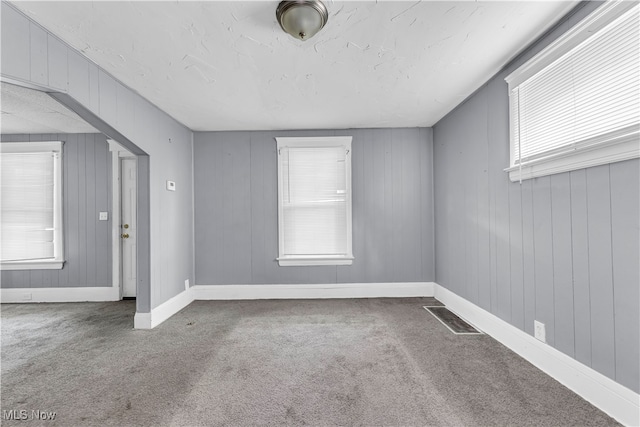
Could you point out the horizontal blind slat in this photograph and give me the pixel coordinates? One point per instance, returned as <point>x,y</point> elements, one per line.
<point>314,205</point>
<point>590,91</point>
<point>26,205</point>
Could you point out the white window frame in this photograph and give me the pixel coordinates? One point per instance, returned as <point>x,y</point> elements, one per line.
<point>315,142</point>
<point>57,261</point>
<point>613,148</point>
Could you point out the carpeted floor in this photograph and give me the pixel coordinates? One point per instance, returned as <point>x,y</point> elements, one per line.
<point>297,362</point>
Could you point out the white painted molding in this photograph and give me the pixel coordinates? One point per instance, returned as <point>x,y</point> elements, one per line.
<point>222,292</point>
<point>115,214</point>
<point>299,291</point>
<point>142,321</point>
<point>621,149</point>
<point>85,294</point>
<point>245,292</point>
<point>163,311</point>
<point>33,264</point>
<point>285,258</point>
<point>117,152</point>
<point>612,398</point>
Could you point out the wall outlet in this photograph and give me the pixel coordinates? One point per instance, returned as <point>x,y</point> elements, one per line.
<point>104,216</point>
<point>171,186</point>
<point>186,285</point>
<point>539,331</point>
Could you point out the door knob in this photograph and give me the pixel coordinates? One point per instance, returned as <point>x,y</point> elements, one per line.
<point>125,235</point>
<point>125,226</point>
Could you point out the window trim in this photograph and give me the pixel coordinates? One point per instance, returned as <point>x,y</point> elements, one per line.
<point>315,260</point>
<point>616,151</point>
<point>613,148</point>
<point>58,261</point>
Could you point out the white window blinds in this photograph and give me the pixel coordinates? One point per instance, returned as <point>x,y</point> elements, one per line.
<point>29,203</point>
<point>587,96</point>
<point>314,200</point>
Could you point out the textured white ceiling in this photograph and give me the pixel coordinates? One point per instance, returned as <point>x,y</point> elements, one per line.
<point>229,66</point>
<point>27,111</point>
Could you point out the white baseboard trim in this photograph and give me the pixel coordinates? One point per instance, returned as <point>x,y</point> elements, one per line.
<point>163,311</point>
<point>142,321</point>
<point>221,292</point>
<point>324,291</point>
<point>612,398</point>
<point>84,294</point>
<point>250,292</point>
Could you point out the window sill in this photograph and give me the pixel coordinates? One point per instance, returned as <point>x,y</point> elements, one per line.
<point>579,159</point>
<point>32,265</point>
<point>314,261</point>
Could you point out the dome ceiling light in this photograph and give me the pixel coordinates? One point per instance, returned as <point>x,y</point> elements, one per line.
<point>302,19</point>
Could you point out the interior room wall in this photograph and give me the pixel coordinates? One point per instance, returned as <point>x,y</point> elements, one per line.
<point>32,56</point>
<point>86,192</point>
<point>561,249</point>
<point>236,223</point>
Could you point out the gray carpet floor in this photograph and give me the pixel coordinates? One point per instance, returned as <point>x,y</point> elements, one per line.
<point>298,362</point>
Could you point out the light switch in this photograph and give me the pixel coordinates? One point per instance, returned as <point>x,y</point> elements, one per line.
<point>171,186</point>
<point>104,216</point>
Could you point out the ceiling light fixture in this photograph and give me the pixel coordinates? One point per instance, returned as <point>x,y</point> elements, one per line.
<point>302,19</point>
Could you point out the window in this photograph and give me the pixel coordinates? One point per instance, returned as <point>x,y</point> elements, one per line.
<point>30,205</point>
<point>577,103</point>
<point>314,201</point>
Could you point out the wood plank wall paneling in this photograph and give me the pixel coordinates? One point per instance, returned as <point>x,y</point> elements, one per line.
<point>57,63</point>
<point>15,56</point>
<point>625,240</point>
<point>561,249</point>
<point>580,264</point>
<point>38,54</point>
<point>236,209</point>
<point>566,248</point>
<point>32,55</point>
<point>79,77</point>
<point>86,192</point>
<point>600,269</point>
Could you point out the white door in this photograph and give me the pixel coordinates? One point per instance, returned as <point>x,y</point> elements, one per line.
<point>128,227</point>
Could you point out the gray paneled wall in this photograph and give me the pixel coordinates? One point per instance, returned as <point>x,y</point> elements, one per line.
<point>236,223</point>
<point>32,55</point>
<point>86,191</point>
<point>561,249</point>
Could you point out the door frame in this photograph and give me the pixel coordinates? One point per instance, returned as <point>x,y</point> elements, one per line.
<point>117,152</point>
<point>128,257</point>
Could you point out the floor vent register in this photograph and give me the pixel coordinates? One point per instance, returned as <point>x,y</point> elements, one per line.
<point>454,323</point>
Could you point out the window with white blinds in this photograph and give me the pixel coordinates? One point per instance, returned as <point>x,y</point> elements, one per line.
<point>314,201</point>
<point>30,205</point>
<point>577,103</point>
